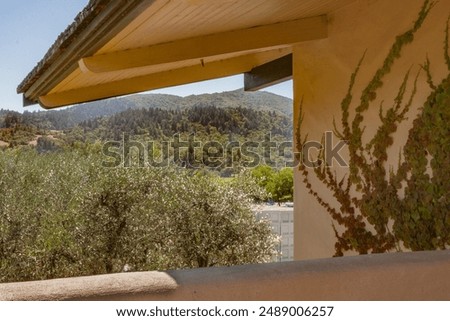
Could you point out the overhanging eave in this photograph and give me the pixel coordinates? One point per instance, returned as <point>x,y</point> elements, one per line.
<point>174,77</point>
<point>92,29</point>
<point>256,38</point>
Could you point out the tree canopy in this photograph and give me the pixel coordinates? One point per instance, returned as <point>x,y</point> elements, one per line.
<point>279,184</point>
<point>62,214</point>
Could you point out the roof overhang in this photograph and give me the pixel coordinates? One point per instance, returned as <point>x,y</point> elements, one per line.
<point>119,47</point>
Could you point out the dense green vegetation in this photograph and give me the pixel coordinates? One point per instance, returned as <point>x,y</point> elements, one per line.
<point>241,136</point>
<point>205,121</point>
<point>63,213</point>
<point>14,131</point>
<point>279,184</point>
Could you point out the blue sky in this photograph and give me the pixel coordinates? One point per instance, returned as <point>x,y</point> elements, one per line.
<point>29,27</point>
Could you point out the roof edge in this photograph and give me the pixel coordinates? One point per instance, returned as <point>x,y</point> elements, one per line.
<point>94,26</point>
<point>81,21</point>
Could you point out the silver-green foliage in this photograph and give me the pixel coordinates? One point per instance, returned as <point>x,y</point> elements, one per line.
<point>62,214</point>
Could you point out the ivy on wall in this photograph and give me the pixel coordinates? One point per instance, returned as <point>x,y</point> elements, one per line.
<point>381,210</point>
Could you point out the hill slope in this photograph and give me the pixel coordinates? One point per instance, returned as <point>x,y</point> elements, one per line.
<point>69,117</point>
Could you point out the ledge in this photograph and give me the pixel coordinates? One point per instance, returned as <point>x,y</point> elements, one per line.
<point>395,276</point>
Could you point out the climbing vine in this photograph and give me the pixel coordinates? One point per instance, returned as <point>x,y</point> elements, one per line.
<point>373,214</point>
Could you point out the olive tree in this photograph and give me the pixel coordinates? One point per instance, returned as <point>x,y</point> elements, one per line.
<point>172,218</point>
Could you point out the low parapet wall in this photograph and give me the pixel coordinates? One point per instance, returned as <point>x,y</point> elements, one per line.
<point>395,276</point>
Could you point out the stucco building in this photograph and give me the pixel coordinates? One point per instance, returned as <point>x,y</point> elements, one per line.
<point>121,47</point>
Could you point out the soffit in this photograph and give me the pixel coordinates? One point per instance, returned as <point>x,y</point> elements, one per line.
<point>165,21</point>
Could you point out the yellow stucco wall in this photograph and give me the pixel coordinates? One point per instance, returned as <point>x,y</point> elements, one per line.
<point>322,71</point>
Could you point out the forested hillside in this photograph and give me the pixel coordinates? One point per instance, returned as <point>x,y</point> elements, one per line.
<point>202,120</point>
<point>69,117</point>
<point>78,200</point>
<point>229,118</point>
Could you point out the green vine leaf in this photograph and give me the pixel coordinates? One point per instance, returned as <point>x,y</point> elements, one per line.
<point>379,219</point>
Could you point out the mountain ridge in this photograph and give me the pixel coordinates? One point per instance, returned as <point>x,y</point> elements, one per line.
<point>71,116</point>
